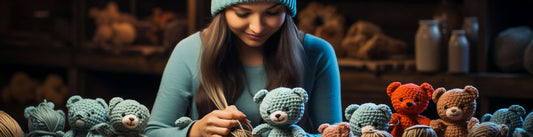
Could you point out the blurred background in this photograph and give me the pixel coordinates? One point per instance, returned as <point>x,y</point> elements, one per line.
<point>53,49</point>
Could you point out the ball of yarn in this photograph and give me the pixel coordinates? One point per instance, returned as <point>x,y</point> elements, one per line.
<point>509,48</point>
<point>528,57</point>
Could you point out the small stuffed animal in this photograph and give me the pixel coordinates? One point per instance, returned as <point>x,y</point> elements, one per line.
<point>128,118</point>
<point>455,108</point>
<point>527,130</point>
<point>281,109</point>
<point>340,130</point>
<point>409,100</point>
<point>512,117</point>
<point>53,89</point>
<point>486,129</point>
<point>43,121</point>
<point>21,88</point>
<point>83,114</point>
<point>368,114</point>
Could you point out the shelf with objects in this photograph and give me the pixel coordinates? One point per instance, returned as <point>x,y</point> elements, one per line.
<point>375,42</point>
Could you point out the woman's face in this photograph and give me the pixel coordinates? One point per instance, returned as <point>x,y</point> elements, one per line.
<point>255,22</point>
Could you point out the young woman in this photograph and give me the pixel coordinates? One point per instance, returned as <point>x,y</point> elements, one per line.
<point>248,46</point>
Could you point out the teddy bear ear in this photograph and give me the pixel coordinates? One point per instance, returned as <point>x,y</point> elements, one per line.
<point>349,110</point>
<point>114,101</point>
<point>471,90</point>
<point>473,121</point>
<point>102,103</point>
<point>258,98</point>
<point>518,110</point>
<point>27,111</point>
<point>486,118</point>
<point>392,86</point>
<point>343,126</point>
<point>322,127</point>
<point>436,95</point>
<point>301,92</point>
<point>386,110</point>
<point>73,100</point>
<point>428,89</point>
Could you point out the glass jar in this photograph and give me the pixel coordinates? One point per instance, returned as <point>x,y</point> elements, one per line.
<point>427,43</point>
<point>471,28</point>
<point>458,52</point>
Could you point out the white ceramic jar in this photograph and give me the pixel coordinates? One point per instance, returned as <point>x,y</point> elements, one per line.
<point>427,42</point>
<point>458,52</point>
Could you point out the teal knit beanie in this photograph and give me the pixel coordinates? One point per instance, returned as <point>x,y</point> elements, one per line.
<point>219,5</point>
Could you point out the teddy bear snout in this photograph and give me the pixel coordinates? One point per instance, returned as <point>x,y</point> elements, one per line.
<point>279,117</point>
<point>130,121</point>
<point>454,113</point>
<point>409,104</point>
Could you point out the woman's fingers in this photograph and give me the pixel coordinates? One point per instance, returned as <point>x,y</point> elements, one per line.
<point>213,130</point>
<point>225,123</point>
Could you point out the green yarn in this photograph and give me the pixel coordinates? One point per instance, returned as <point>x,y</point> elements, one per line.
<point>368,114</point>
<point>512,117</point>
<point>527,130</point>
<point>43,121</point>
<point>281,109</point>
<point>219,5</point>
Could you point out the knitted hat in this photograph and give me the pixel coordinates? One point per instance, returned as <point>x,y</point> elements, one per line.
<point>219,5</point>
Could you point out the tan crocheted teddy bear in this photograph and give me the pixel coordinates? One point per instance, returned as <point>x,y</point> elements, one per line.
<point>455,107</point>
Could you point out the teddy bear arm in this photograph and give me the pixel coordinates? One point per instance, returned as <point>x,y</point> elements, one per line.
<point>104,129</point>
<point>437,124</point>
<point>297,131</point>
<point>257,131</point>
<point>395,120</point>
<point>423,120</point>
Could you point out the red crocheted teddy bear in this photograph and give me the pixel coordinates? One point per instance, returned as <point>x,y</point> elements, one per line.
<point>409,100</point>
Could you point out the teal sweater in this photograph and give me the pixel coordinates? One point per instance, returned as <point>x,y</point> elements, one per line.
<point>180,81</point>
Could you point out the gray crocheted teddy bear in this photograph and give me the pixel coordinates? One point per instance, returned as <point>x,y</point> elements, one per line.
<point>127,118</point>
<point>44,121</point>
<point>512,117</point>
<point>83,114</point>
<point>527,130</point>
<point>367,114</point>
<point>281,109</point>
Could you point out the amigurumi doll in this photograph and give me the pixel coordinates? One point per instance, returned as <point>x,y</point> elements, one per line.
<point>43,121</point>
<point>281,109</point>
<point>527,130</point>
<point>455,108</point>
<point>409,100</point>
<point>512,117</point>
<point>340,130</point>
<point>486,129</point>
<point>368,114</point>
<point>83,114</point>
<point>127,118</point>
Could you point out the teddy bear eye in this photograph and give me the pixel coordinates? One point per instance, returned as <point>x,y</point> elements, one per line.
<point>401,99</point>
<point>123,114</point>
<point>461,106</point>
<point>140,117</point>
<point>445,106</point>
<point>416,100</point>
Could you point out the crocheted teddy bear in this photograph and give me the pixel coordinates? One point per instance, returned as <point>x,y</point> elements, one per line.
<point>368,114</point>
<point>486,129</point>
<point>83,114</point>
<point>455,108</point>
<point>44,121</point>
<point>527,130</point>
<point>409,100</point>
<point>281,109</point>
<point>126,118</point>
<point>340,130</point>
<point>512,117</point>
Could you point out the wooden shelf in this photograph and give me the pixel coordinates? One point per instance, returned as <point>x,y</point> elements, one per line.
<point>136,64</point>
<point>35,55</point>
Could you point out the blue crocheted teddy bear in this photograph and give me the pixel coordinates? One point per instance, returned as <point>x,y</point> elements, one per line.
<point>127,118</point>
<point>512,117</point>
<point>281,109</point>
<point>527,130</point>
<point>83,114</point>
<point>371,114</point>
<point>44,121</point>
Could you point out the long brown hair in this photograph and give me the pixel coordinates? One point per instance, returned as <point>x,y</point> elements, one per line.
<point>221,70</point>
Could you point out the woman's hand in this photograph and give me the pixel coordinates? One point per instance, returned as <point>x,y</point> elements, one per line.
<point>218,123</point>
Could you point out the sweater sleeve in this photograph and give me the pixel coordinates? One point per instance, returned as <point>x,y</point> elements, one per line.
<point>325,101</point>
<point>174,96</point>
